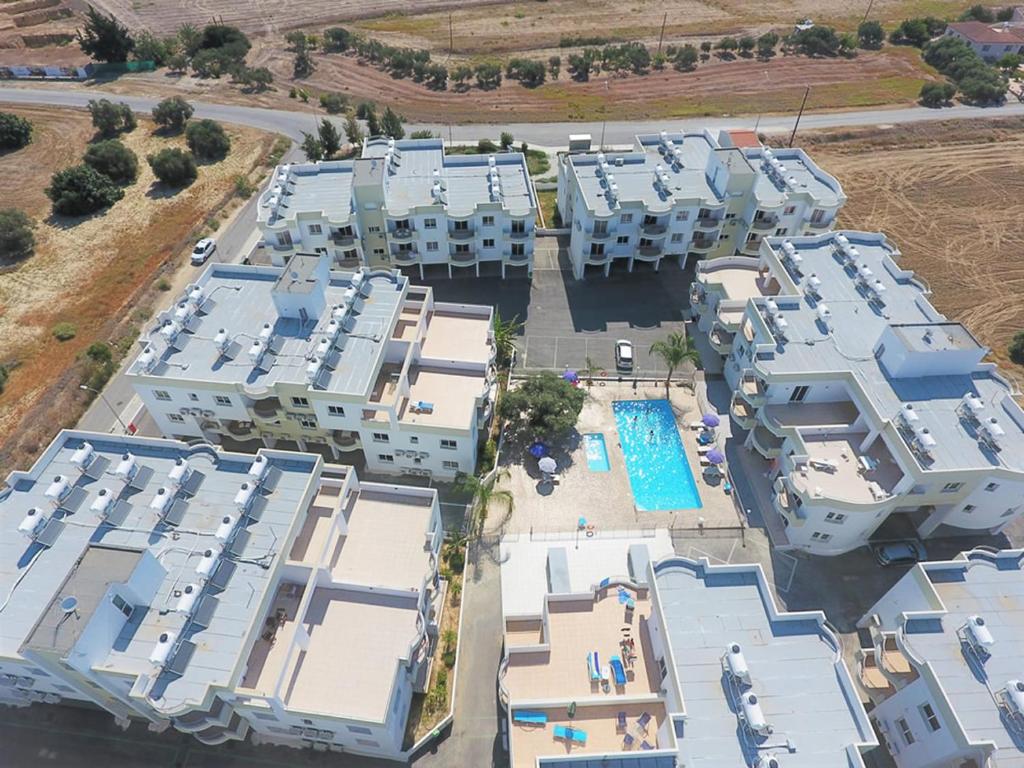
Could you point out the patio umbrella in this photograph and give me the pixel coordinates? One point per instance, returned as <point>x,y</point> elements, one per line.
<point>538,449</point>
<point>547,464</point>
<point>715,456</point>
<point>571,376</point>
<point>711,420</point>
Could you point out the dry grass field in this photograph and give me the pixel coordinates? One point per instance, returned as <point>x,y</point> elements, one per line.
<point>90,272</point>
<point>951,197</point>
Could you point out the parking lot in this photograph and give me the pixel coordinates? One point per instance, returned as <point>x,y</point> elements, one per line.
<point>568,320</point>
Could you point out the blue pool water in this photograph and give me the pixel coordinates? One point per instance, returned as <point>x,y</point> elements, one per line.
<point>659,471</point>
<point>597,453</point>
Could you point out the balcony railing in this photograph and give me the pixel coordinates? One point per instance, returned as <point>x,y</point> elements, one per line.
<point>267,408</point>
<point>518,235</point>
<point>401,233</point>
<point>405,257</point>
<point>461,234</point>
<point>463,257</point>
<point>597,258</point>
<point>517,258</point>
<point>653,228</point>
<point>649,250</point>
<point>595,235</point>
<point>708,222</point>
<point>339,239</point>
<point>764,223</point>
<point>702,245</point>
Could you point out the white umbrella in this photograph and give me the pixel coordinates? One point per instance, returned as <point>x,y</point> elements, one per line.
<point>547,464</point>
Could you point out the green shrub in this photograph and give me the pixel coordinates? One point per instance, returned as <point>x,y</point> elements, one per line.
<point>937,94</point>
<point>113,159</point>
<point>207,140</point>
<point>64,331</point>
<point>172,114</point>
<point>870,35</point>
<point>3,378</point>
<point>17,240</point>
<point>82,190</point>
<point>243,187</point>
<point>334,103</point>
<point>1016,348</point>
<point>173,167</point>
<point>99,352</point>
<point>163,284</point>
<point>15,131</point>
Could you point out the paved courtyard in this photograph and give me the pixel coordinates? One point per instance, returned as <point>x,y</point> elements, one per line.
<point>605,499</point>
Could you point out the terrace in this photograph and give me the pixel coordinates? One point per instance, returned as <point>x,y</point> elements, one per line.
<point>840,415</point>
<point>838,469</point>
<point>453,395</point>
<point>316,529</point>
<point>452,336</point>
<point>270,652</point>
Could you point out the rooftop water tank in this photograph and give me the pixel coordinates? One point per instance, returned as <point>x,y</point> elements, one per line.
<point>258,468</point>
<point>179,471</point>
<point>221,340</point>
<point>34,519</point>
<point>81,457</point>
<point>126,467</point>
<point>979,633</point>
<point>58,488</point>
<point>147,358</point>
<point>208,563</point>
<point>162,650</point>
<point>1015,696</point>
<point>161,500</point>
<point>753,714</point>
<point>244,495</point>
<point>188,598</point>
<point>737,663</point>
<point>103,502</point>
<point>227,525</point>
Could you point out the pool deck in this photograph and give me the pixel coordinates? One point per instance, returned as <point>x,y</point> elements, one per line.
<point>605,499</point>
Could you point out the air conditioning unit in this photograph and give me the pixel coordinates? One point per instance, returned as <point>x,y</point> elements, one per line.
<point>209,414</point>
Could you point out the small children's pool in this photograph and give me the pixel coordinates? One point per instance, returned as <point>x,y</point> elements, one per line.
<point>597,453</point>
<point>659,472</point>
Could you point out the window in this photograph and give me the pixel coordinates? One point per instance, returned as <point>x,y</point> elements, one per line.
<point>315,229</point>
<point>518,249</point>
<point>677,237</point>
<point>952,487</point>
<point>414,440</point>
<point>453,465</point>
<point>460,226</point>
<point>308,422</point>
<point>193,397</point>
<point>816,536</point>
<point>378,251</point>
<point>386,458</point>
<point>432,246</point>
<point>430,223</point>
<point>904,726</point>
<point>265,716</point>
<point>122,605</point>
<point>373,230</point>
<point>367,743</point>
<point>518,226</point>
<point>917,490</point>
<point>284,238</point>
<point>601,227</point>
<point>488,242</point>
<point>817,216</point>
<point>1010,511</point>
<point>176,418</point>
<point>381,437</point>
<point>991,487</point>
<point>663,668</point>
<point>930,718</point>
<point>683,216</point>
<point>451,445</point>
<point>789,210</point>
<point>626,218</point>
<point>623,240</point>
<point>799,393</point>
<point>335,410</point>
<point>597,249</point>
<point>161,394</point>
<point>781,231</point>
<point>300,402</point>
<point>307,722</point>
<point>488,221</point>
<point>359,729</point>
<point>835,517</point>
<point>222,400</point>
<point>968,508</point>
<point>461,249</point>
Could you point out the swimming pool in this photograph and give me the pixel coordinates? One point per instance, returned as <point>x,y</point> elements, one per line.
<point>597,453</point>
<point>659,472</point>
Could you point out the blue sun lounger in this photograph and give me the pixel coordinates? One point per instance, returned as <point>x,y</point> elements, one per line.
<point>530,717</point>
<point>594,666</point>
<point>617,671</point>
<point>574,735</point>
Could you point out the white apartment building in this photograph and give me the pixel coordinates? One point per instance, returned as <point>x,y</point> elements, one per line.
<point>944,674</point>
<point>404,204</point>
<point>620,653</point>
<point>864,400</point>
<point>688,195</point>
<point>220,594</point>
<point>340,362</point>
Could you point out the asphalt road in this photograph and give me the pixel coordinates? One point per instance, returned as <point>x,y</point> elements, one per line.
<point>550,135</point>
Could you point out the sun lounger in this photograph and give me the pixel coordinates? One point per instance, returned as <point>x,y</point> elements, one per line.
<point>594,666</point>
<point>617,670</point>
<point>529,717</point>
<point>421,406</point>
<point>695,425</point>
<point>620,721</point>
<point>627,741</point>
<point>645,745</point>
<point>827,465</point>
<point>645,718</point>
<point>574,735</point>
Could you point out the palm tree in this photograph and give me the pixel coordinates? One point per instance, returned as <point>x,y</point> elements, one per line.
<point>589,370</point>
<point>505,332</point>
<point>674,351</point>
<point>484,493</point>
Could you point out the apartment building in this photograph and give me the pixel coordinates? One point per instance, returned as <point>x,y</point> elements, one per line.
<point>619,652</point>
<point>990,41</point>
<point>682,196</point>
<point>869,407</point>
<point>944,672</point>
<point>221,594</point>
<point>352,364</point>
<point>404,204</point>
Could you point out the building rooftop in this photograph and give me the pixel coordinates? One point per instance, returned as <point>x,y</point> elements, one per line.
<point>848,339</point>
<point>988,34</point>
<point>237,304</point>
<point>801,175</point>
<point>324,188</point>
<point>932,604</point>
<point>458,336</point>
<point>86,554</point>
<point>795,663</point>
<point>452,395</point>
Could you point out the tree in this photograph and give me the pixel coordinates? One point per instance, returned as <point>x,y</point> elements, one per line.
<point>847,44</point>
<point>766,45</point>
<point>173,167</point>
<point>312,147</point>
<point>1005,14</point>
<point>505,333</point>
<point>334,103</point>
<point>937,94</point>
<point>483,495</point>
<point>461,75</point>
<point>816,41</point>
<point>110,119</point>
<point>207,140</point>
<point>528,72</point>
<point>978,13</point>
<point>368,112</point>
<point>178,63</point>
<point>230,40</point>
<point>353,132</point>
<point>172,114</point>
<point>917,31</point>
<point>391,124</point>
<point>15,131</point>
<point>437,77</point>
<point>554,66</point>
<point>330,139</point>
<point>190,39</point>
<point>149,47</point>
<point>104,38</point>
<point>1010,62</point>
<point>17,240</point>
<point>727,45</point>
<point>580,66</point>
<point>543,406</point>
<point>114,160</point>
<point>337,39</point>
<point>705,46</point>
<point>297,40</point>
<point>304,65</point>
<point>488,75</point>
<point>81,190</point>
<point>685,58</point>
<point>506,140</point>
<point>747,45</point>
<point>260,78</point>
<point>1016,348</point>
<point>674,351</point>
<point>870,35</point>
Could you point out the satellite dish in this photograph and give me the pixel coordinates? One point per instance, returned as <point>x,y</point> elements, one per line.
<point>69,604</point>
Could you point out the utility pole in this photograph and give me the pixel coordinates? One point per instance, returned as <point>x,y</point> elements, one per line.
<point>871,4</point>
<point>604,113</point>
<point>792,136</point>
<point>451,36</point>
<point>661,36</point>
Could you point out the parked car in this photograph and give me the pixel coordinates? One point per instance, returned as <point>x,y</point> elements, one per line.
<point>899,552</point>
<point>624,354</point>
<point>204,249</point>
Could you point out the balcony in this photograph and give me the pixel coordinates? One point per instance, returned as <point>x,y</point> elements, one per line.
<point>518,234</point>
<point>721,339</point>
<point>839,471</point>
<point>839,416</point>
<point>654,229</point>
<point>702,244</point>
<point>786,502</point>
<point>648,251</point>
<point>597,258</point>
<point>405,257</point>
<point>765,223</point>
<point>708,222</point>
<point>344,240</point>
<point>742,412</point>
<point>817,227</point>
<point>345,440</point>
<point>698,296</point>
<point>402,233</point>
<point>461,234</point>
<point>751,247</point>
<point>462,257</point>
<point>753,389</point>
<point>268,408</point>
<point>595,235</point>
<point>517,258</point>
<point>239,428</point>
<point>766,443</point>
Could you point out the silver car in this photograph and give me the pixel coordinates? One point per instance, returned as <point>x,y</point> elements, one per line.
<point>624,354</point>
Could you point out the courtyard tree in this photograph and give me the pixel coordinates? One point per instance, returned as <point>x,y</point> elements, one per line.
<point>17,239</point>
<point>674,351</point>
<point>81,190</point>
<point>505,332</point>
<point>172,114</point>
<point>353,132</point>
<point>543,406</point>
<point>391,124</point>
<point>330,139</point>
<point>935,94</point>
<point>104,38</point>
<point>312,147</point>
<point>483,494</point>
<point>114,160</point>
<point>15,131</point>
